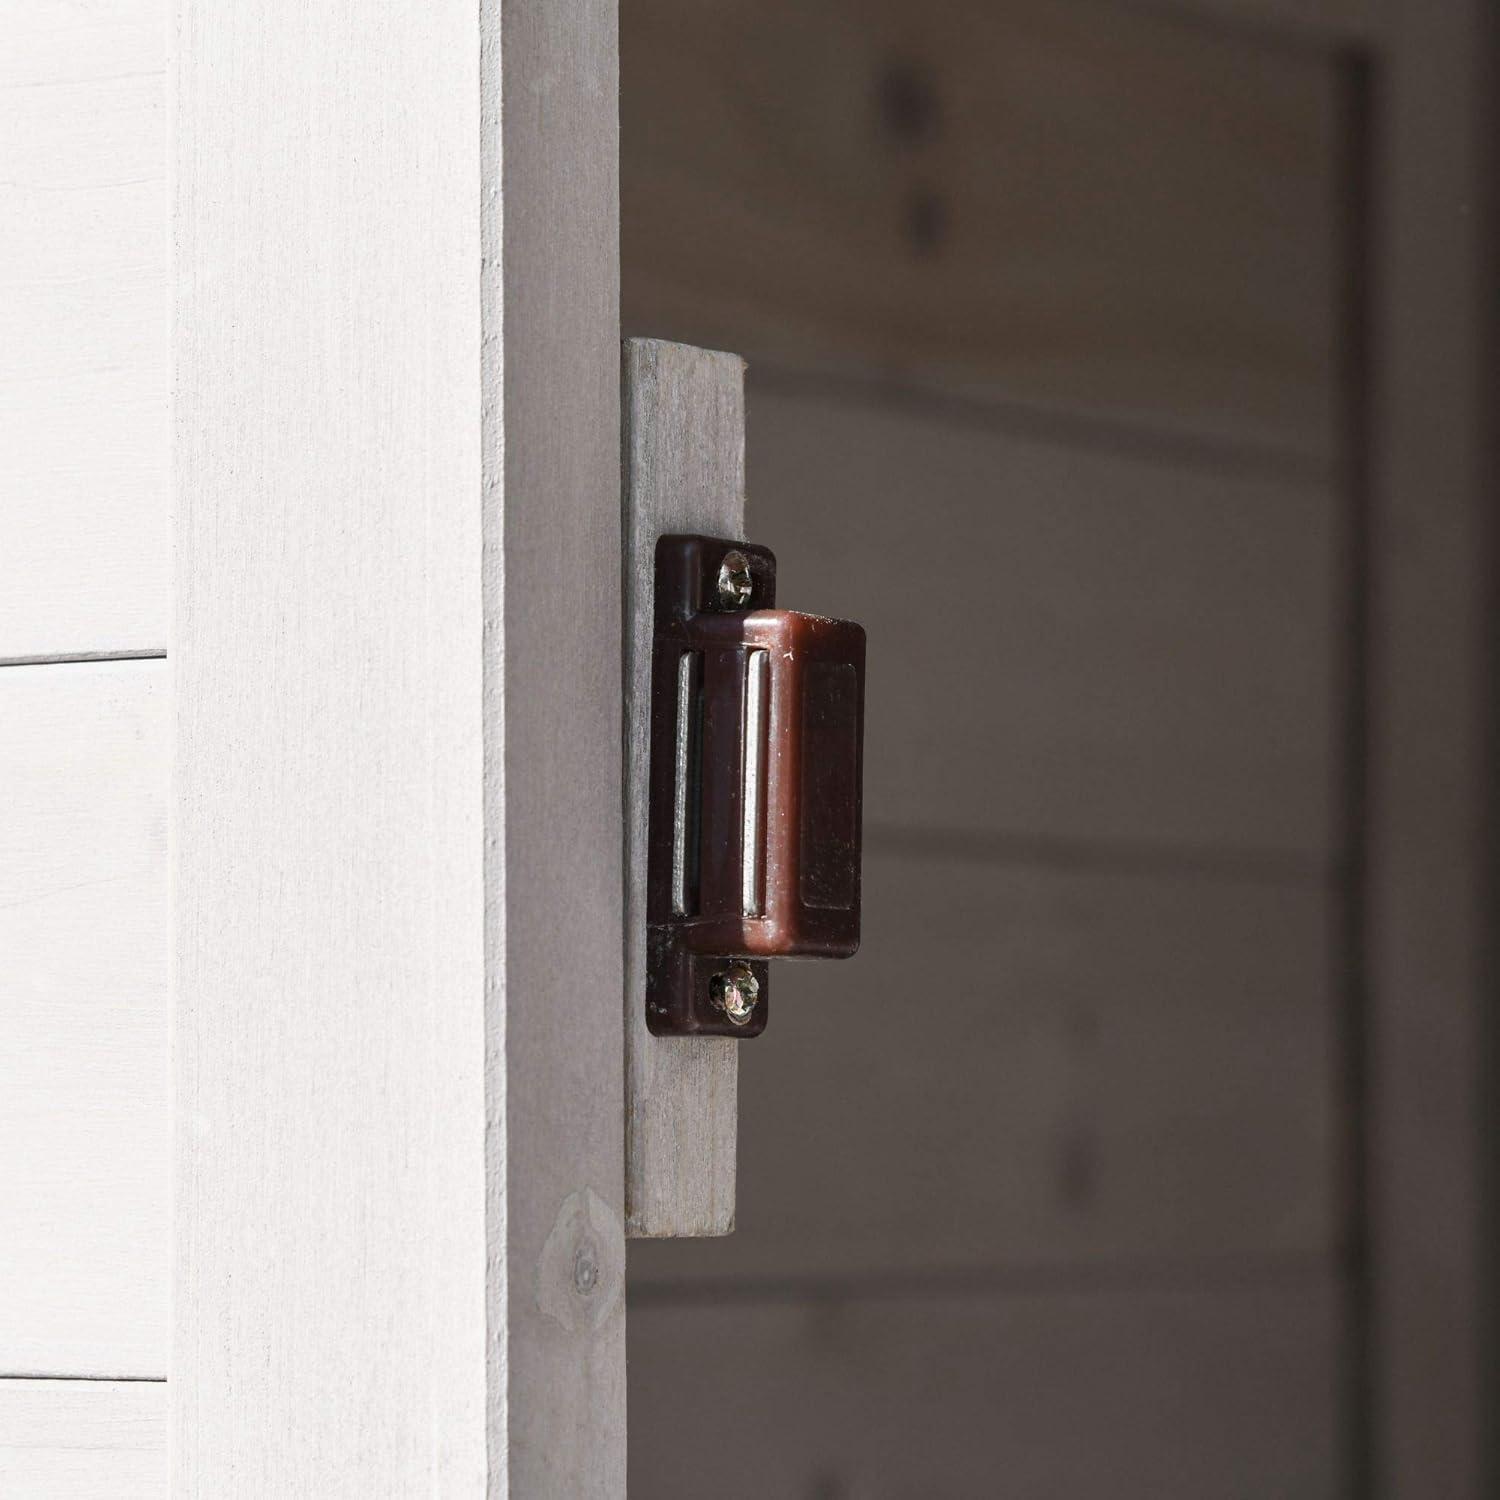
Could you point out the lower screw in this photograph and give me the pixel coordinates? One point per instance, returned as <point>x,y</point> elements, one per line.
<point>735,992</point>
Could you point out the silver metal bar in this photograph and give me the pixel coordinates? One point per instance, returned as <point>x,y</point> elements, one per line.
<point>682,775</point>
<point>752,801</point>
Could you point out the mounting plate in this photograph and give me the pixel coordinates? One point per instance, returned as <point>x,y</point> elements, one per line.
<point>755,779</point>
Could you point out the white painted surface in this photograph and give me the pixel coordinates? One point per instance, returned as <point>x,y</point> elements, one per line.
<point>398,1078</point>
<point>83,1439</point>
<point>685,472</point>
<point>83,1026</point>
<point>83,327</point>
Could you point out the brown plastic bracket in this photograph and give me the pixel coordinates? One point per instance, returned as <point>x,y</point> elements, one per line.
<point>757,730</point>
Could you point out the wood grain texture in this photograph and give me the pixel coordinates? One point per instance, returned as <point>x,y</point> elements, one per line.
<point>1430,884</point>
<point>83,327</point>
<point>1098,207</point>
<point>1137,1394</point>
<point>83,1026</point>
<point>83,1439</point>
<point>1026,1067</point>
<point>397,929</point>
<point>684,471</point>
<point>553,710</point>
<point>1067,643</point>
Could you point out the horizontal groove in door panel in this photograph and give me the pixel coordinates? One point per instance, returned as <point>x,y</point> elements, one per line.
<point>1031,422</point>
<point>1112,857</point>
<point>1063,1278</point>
<point>82,657</point>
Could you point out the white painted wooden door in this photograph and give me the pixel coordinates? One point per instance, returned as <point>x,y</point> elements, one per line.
<point>84,749</point>
<point>349,622</point>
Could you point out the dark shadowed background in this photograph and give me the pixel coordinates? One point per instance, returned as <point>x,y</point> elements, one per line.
<point>1070,377</point>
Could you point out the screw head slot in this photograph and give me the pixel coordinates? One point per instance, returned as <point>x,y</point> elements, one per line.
<point>735,583</point>
<point>735,992</point>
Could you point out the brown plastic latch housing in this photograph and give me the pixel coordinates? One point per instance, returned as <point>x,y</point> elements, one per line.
<point>757,730</point>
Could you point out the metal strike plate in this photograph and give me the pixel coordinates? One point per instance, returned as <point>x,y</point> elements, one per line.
<point>757,729</point>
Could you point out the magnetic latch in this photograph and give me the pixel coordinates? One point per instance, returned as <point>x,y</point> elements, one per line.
<point>757,730</point>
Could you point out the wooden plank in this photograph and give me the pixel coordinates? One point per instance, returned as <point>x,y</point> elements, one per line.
<point>83,327</point>
<point>1430,877</point>
<point>999,197</point>
<point>1216,1393</point>
<point>1032,1067</point>
<point>83,1439</point>
<point>397,857</point>
<point>1067,642</point>
<point>83,1029</point>
<point>684,471</point>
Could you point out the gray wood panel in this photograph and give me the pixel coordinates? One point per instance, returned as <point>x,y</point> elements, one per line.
<point>1103,207</point>
<point>1042,312</point>
<point>684,471</point>
<point>1192,1394</point>
<point>1065,641</point>
<point>1028,1067</point>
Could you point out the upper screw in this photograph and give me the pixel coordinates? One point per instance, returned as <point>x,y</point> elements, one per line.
<point>735,582</point>
<point>735,992</point>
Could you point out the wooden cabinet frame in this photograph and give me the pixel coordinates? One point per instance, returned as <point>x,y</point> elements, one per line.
<point>397,811</point>
<point>1424,881</point>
